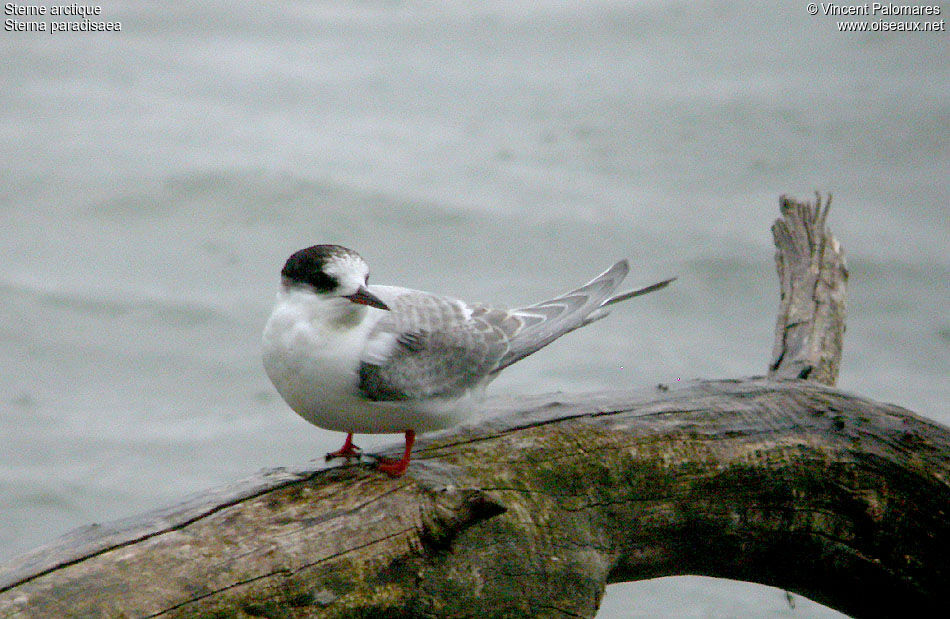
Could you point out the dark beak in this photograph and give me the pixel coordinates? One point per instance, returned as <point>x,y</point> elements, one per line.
<point>365,297</point>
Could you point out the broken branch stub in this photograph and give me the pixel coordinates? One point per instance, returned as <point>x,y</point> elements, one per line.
<point>813,276</point>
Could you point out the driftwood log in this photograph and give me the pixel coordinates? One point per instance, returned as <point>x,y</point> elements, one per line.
<point>531,512</point>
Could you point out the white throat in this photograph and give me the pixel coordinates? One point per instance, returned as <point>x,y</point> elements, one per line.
<point>312,346</point>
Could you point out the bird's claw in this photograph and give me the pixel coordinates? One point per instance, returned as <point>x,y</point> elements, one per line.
<point>348,454</point>
<point>349,450</point>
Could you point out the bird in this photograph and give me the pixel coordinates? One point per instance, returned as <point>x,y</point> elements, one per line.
<point>354,357</point>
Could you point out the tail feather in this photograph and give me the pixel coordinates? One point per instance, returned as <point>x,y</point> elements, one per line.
<point>544,322</point>
<point>638,292</point>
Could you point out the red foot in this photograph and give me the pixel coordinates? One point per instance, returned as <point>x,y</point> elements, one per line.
<point>395,468</point>
<point>349,450</point>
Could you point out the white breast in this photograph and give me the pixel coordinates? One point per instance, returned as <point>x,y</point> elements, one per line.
<point>312,347</point>
<point>311,350</point>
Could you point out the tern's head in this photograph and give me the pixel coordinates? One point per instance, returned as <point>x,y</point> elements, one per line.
<point>330,271</point>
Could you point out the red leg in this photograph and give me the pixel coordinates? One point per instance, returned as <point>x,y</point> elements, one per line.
<point>396,468</point>
<point>349,450</point>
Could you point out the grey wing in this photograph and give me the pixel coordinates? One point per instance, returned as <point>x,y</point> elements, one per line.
<point>428,346</point>
<point>544,322</point>
<point>431,346</point>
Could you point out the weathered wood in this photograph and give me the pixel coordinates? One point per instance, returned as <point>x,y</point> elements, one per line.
<point>813,277</point>
<point>533,512</point>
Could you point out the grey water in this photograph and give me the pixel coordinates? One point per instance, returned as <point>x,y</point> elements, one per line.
<point>154,179</point>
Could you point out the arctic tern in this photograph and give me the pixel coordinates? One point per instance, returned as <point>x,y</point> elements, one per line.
<point>359,358</point>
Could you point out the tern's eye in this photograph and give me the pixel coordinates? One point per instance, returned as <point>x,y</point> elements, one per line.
<point>322,282</point>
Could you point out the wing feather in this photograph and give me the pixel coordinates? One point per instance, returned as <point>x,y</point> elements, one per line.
<point>546,321</point>
<point>432,346</point>
<point>428,346</point>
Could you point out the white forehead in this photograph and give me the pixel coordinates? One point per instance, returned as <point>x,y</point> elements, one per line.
<point>347,268</point>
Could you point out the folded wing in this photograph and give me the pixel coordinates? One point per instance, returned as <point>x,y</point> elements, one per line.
<point>428,346</point>
<point>431,346</point>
